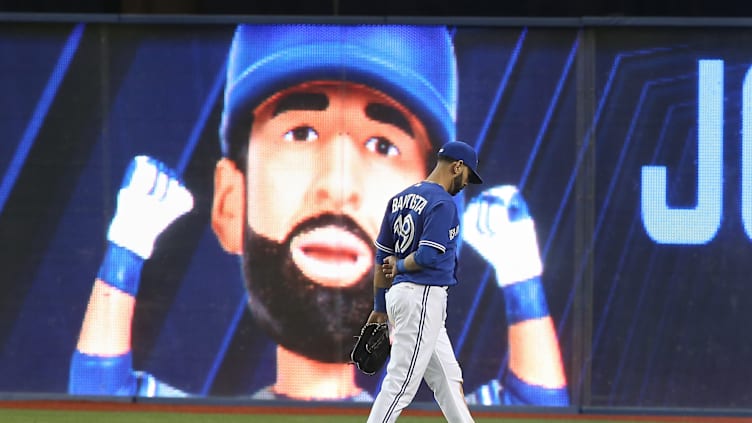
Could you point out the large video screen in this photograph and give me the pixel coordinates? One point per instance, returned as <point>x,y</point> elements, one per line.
<point>189,210</point>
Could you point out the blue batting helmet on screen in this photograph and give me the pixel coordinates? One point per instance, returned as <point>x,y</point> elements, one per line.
<point>415,65</point>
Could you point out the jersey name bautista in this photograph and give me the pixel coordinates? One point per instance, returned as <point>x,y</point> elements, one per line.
<point>413,202</point>
<point>422,215</point>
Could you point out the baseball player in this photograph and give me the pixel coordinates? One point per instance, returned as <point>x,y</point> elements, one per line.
<point>300,147</point>
<point>417,245</point>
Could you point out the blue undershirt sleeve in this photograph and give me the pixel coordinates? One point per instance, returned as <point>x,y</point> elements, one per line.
<point>380,256</point>
<point>426,256</point>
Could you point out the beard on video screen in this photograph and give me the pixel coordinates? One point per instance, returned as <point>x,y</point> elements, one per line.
<point>313,320</point>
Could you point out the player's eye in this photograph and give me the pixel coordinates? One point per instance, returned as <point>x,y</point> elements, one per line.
<point>382,146</point>
<point>301,134</point>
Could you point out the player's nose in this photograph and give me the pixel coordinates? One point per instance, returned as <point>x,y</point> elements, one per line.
<point>340,173</point>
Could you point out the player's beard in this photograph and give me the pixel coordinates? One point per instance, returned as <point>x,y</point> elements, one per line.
<point>456,185</point>
<point>315,321</point>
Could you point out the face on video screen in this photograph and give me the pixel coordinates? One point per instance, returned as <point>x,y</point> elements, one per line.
<point>323,159</point>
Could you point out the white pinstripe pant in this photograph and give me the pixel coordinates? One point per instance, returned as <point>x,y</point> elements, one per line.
<point>420,349</point>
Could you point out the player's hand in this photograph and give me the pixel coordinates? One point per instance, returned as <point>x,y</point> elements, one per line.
<point>389,267</point>
<point>377,317</point>
<point>499,227</point>
<point>151,197</point>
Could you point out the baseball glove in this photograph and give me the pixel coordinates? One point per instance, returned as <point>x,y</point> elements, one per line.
<point>372,347</point>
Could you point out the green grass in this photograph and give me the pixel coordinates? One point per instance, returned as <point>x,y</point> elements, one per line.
<point>121,415</point>
<point>65,416</point>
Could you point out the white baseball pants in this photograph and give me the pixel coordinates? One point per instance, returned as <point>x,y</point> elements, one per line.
<point>420,349</point>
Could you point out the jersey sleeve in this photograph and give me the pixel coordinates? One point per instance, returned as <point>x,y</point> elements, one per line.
<point>385,241</point>
<point>438,225</point>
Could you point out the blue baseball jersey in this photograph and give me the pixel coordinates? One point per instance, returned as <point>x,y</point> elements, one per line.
<point>422,215</point>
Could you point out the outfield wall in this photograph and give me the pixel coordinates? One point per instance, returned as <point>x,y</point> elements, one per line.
<point>628,139</point>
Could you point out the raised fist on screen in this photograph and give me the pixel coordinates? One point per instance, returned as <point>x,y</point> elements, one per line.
<point>151,197</point>
<point>498,225</point>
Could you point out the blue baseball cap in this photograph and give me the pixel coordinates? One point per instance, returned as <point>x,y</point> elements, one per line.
<point>415,65</point>
<point>458,150</point>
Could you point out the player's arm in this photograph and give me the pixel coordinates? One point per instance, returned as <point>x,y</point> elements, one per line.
<point>380,285</point>
<point>150,198</point>
<point>381,281</point>
<point>498,226</point>
<point>392,266</point>
<point>536,372</point>
<point>385,269</point>
<point>430,248</point>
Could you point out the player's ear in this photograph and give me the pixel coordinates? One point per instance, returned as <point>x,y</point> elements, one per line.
<point>228,217</point>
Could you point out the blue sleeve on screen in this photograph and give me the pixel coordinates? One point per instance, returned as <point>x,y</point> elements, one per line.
<point>98,375</point>
<point>519,392</point>
<point>525,300</point>
<point>114,376</point>
<point>121,268</point>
